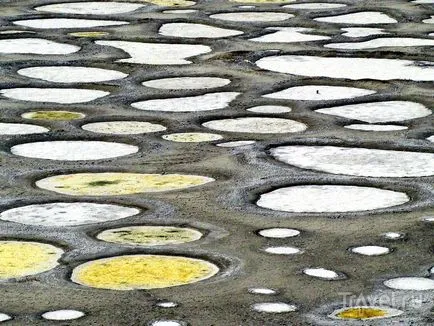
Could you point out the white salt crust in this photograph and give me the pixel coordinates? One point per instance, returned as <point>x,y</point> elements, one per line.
<point>263,16</point>
<point>321,273</point>
<point>189,30</point>
<point>319,93</point>
<point>238,143</point>
<point>362,31</point>
<point>359,18</point>
<point>316,6</point>
<point>167,323</point>
<point>431,138</point>
<point>371,250</point>
<point>382,42</point>
<point>74,150</point>
<point>187,83</point>
<point>63,315</point>
<point>429,21</point>
<point>167,304</point>
<point>123,127</point>
<point>289,35</point>
<point>263,291</point>
<point>4,317</point>
<point>279,233</point>
<point>20,129</point>
<point>274,307</point>
<point>283,250</point>
<point>36,46</point>
<point>53,95</point>
<point>376,127</point>
<point>393,235</point>
<point>357,161</point>
<point>68,74</point>
<point>330,199</point>
<point>349,68</point>
<point>67,214</point>
<point>59,23</point>
<point>256,125</point>
<point>269,109</point>
<point>374,112</point>
<point>207,102</point>
<point>410,283</point>
<point>90,8</point>
<point>157,53</point>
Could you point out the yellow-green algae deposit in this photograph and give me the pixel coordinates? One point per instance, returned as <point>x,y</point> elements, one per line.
<point>150,235</point>
<point>22,258</point>
<point>192,137</point>
<point>118,183</point>
<point>365,312</point>
<point>53,115</point>
<point>133,272</point>
<point>88,34</point>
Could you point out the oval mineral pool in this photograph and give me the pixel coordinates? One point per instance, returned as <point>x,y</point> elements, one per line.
<point>316,6</point>
<point>371,250</point>
<point>167,323</point>
<point>270,109</point>
<point>283,250</point>
<point>36,46</point>
<point>123,127</point>
<point>330,198</point>
<point>274,307</point>
<point>289,35</point>
<point>118,183</point>
<point>279,233</point>
<point>207,102</point>
<point>24,258</point>
<point>262,291</point>
<point>53,115</point>
<point>4,317</point>
<point>172,3</point>
<point>90,8</point>
<point>53,95</point>
<point>187,83</point>
<point>365,313</point>
<point>363,127</point>
<point>68,74</point>
<point>74,150</point>
<point>382,42</point>
<point>67,214</point>
<point>322,273</point>
<point>58,23</point>
<point>393,235</point>
<point>192,137</point>
<point>157,53</point>
<point>362,31</point>
<point>374,112</point>
<point>65,314</point>
<point>88,34</point>
<point>359,18</point>
<point>237,143</point>
<point>262,16</point>
<point>21,129</point>
<point>189,30</point>
<point>410,283</point>
<point>167,304</point>
<point>357,161</point>
<point>319,93</point>
<point>350,68</point>
<point>133,272</point>
<point>150,235</point>
<point>256,125</point>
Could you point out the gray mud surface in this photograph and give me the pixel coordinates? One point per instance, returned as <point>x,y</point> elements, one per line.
<point>223,210</point>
